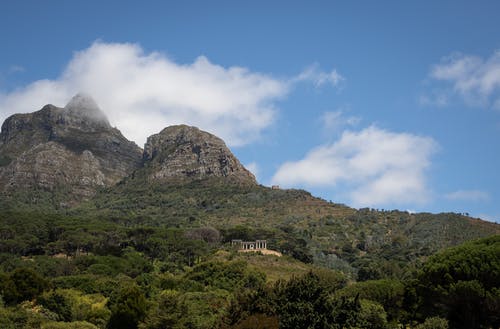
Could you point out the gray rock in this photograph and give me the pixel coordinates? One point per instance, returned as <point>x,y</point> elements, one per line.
<point>73,151</point>
<point>72,148</point>
<point>184,152</point>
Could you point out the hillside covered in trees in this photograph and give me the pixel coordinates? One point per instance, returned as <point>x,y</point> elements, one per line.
<point>59,271</point>
<point>92,235</point>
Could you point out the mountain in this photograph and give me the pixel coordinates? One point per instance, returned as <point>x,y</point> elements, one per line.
<point>70,151</point>
<point>367,242</point>
<point>187,178</point>
<point>65,155</point>
<point>89,221</point>
<point>183,152</point>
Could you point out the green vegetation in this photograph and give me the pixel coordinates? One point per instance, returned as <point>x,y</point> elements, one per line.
<point>159,256</point>
<point>463,284</point>
<point>58,271</point>
<point>368,244</point>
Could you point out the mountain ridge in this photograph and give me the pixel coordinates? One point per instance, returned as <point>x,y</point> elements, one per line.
<point>66,162</point>
<point>74,149</point>
<point>54,148</point>
<point>187,152</point>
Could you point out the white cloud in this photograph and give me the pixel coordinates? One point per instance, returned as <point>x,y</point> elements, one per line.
<point>475,79</point>
<point>142,93</point>
<point>319,78</point>
<point>468,195</point>
<point>332,120</point>
<point>376,167</point>
<point>254,168</point>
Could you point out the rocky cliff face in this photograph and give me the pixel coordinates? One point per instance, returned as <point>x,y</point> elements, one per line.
<point>184,152</point>
<point>73,148</point>
<point>72,151</point>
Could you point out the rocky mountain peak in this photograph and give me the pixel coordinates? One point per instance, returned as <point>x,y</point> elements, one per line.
<point>85,107</point>
<point>180,152</point>
<point>72,148</point>
<point>75,150</point>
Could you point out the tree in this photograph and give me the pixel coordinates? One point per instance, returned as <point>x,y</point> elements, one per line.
<point>56,303</point>
<point>128,308</point>
<point>303,303</point>
<point>372,315</point>
<point>23,284</point>
<point>463,284</point>
<point>433,323</point>
<point>388,293</point>
<point>207,234</point>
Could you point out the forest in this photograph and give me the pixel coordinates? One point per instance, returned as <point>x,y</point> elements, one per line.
<point>59,271</point>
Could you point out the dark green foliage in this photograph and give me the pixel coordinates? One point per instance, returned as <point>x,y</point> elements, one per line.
<point>187,310</point>
<point>381,244</point>
<point>303,303</point>
<point>433,323</point>
<point>471,306</point>
<point>307,302</point>
<point>88,283</point>
<point>261,321</point>
<point>13,318</point>
<point>166,313</point>
<point>370,243</point>
<point>295,247</point>
<point>22,284</point>
<point>229,276</point>
<point>345,312</point>
<point>160,254</point>
<point>241,232</point>
<point>294,302</point>
<point>372,315</point>
<point>247,303</point>
<point>171,282</point>
<point>56,303</point>
<point>462,284</point>
<point>388,293</point>
<point>70,325</point>
<point>128,308</point>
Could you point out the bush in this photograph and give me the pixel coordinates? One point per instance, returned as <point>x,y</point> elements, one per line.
<point>433,323</point>
<point>23,284</point>
<point>68,325</point>
<point>388,293</point>
<point>463,284</point>
<point>57,303</point>
<point>128,308</point>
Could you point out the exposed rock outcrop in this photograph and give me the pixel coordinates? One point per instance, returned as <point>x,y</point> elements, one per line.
<point>184,152</point>
<point>73,151</point>
<point>50,166</point>
<point>73,147</point>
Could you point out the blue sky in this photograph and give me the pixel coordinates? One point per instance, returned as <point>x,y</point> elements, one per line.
<point>388,104</point>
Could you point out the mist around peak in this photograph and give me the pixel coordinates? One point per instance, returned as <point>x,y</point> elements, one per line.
<point>83,105</point>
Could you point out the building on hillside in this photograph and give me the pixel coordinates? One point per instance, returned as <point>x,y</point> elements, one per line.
<point>249,245</point>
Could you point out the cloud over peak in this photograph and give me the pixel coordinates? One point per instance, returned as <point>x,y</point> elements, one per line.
<point>142,93</point>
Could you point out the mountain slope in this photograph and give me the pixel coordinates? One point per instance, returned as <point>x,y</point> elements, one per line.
<point>188,178</point>
<point>368,243</point>
<point>71,149</point>
<point>183,152</point>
